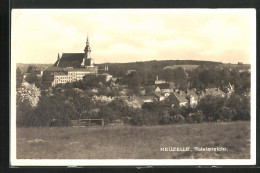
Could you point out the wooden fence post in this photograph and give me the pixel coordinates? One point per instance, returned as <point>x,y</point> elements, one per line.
<point>102,122</point>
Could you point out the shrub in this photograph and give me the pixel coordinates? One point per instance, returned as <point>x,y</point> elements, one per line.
<point>211,107</point>
<point>227,114</point>
<point>19,78</point>
<point>166,120</point>
<point>142,117</point>
<point>178,118</point>
<point>195,117</point>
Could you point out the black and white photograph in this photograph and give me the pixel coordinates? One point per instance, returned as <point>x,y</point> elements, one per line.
<point>94,87</point>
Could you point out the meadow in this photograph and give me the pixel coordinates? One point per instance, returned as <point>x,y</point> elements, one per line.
<point>130,142</point>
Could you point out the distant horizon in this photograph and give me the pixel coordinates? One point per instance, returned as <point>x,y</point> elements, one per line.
<point>145,61</point>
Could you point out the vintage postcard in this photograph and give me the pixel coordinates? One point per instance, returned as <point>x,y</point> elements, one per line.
<point>95,87</point>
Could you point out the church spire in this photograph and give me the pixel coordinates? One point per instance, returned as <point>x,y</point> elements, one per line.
<point>87,42</point>
<point>87,51</point>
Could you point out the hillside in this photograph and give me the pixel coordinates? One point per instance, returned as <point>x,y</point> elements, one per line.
<point>117,69</point>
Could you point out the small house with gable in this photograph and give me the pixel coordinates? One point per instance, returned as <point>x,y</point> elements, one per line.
<point>193,97</point>
<point>177,99</point>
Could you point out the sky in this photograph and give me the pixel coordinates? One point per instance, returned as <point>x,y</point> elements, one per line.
<point>129,35</point>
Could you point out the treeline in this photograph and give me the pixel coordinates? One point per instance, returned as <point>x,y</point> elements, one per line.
<point>118,69</point>
<point>200,78</point>
<point>60,109</point>
<point>207,75</point>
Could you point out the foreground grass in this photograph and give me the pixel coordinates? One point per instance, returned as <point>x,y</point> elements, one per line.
<point>127,142</point>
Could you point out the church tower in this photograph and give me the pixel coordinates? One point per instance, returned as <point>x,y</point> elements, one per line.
<point>87,57</point>
<point>58,56</point>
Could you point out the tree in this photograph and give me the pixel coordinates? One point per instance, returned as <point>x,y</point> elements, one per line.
<point>27,98</point>
<point>134,82</point>
<point>80,105</point>
<point>210,78</point>
<point>33,79</point>
<point>23,113</point>
<point>149,90</point>
<point>117,109</point>
<point>178,76</point>
<point>212,106</point>
<point>19,77</point>
<point>240,105</point>
<point>52,109</point>
<point>29,93</point>
<point>30,69</point>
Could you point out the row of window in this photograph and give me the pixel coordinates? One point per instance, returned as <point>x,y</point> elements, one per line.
<point>70,74</point>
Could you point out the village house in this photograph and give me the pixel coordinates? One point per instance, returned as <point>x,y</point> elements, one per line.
<point>159,96</point>
<point>147,99</point>
<point>107,76</point>
<point>193,97</point>
<point>177,99</point>
<point>157,81</point>
<point>244,70</point>
<point>130,71</point>
<point>157,90</point>
<point>166,92</point>
<point>213,92</point>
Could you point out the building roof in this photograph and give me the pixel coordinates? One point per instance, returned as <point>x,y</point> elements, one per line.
<point>192,93</point>
<point>105,74</point>
<point>82,69</point>
<point>147,97</point>
<point>60,74</point>
<point>122,97</point>
<point>166,90</point>
<point>70,60</point>
<point>163,85</point>
<point>54,69</point>
<point>130,71</point>
<point>158,95</point>
<point>215,92</point>
<point>181,97</point>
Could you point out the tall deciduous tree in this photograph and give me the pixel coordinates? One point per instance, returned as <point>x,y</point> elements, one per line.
<point>240,105</point>
<point>19,77</point>
<point>212,106</point>
<point>27,98</point>
<point>80,105</point>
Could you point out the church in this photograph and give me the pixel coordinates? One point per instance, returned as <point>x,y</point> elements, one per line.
<point>70,67</point>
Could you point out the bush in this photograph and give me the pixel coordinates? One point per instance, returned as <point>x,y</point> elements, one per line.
<point>19,78</point>
<point>211,107</point>
<point>178,118</point>
<point>195,117</point>
<point>142,117</point>
<point>227,114</point>
<point>24,116</point>
<point>32,78</point>
<point>166,120</point>
<point>240,105</point>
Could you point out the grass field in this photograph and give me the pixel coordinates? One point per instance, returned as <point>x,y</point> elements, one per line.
<point>127,142</point>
